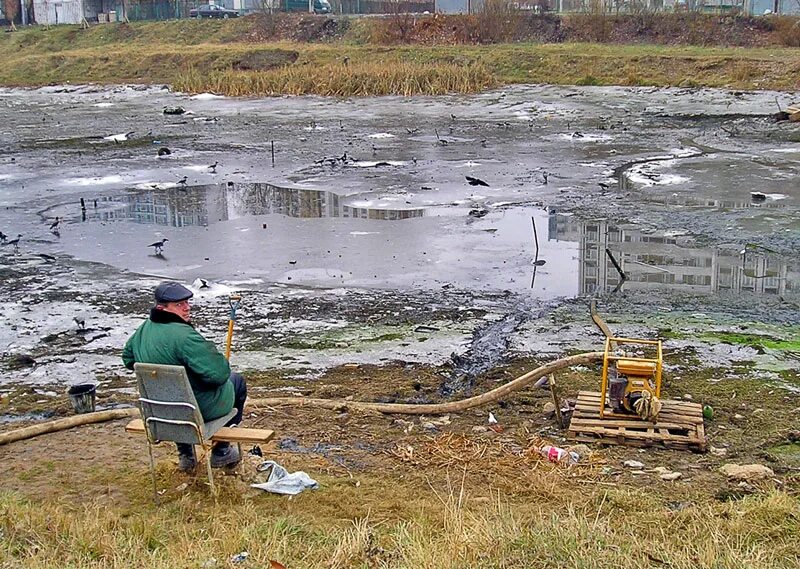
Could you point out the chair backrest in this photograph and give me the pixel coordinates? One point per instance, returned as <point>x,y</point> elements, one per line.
<point>169,408</point>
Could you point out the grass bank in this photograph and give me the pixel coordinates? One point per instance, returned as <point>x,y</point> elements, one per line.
<point>228,57</point>
<point>395,495</point>
<point>435,526</point>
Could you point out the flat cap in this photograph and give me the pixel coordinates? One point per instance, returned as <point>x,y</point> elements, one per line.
<point>172,292</point>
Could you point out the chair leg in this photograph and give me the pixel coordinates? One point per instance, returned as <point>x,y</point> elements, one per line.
<point>153,472</point>
<point>210,475</point>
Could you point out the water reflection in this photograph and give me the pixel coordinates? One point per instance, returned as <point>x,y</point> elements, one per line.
<point>203,205</point>
<point>658,260</point>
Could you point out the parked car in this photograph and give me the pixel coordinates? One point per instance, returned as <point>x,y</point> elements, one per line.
<point>212,11</point>
<point>319,6</point>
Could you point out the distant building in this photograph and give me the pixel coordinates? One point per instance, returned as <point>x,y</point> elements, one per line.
<point>458,6</point>
<point>761,7</point>
<point>51,12</point>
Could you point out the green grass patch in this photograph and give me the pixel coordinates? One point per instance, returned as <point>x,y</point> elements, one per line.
<point>753,340</point>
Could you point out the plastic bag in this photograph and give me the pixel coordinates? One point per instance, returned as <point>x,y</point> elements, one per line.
<point>280,481</point>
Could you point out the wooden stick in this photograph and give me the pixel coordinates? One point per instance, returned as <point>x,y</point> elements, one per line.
<point>66,423</point>
<point>552,381</point>
<point>622,274</point>
<point>438,408</point>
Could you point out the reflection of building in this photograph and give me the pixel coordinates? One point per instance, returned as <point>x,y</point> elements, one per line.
<point>655,261</point>
<point>257,199</point>
<point>201,205</point>
<point>161,207</point>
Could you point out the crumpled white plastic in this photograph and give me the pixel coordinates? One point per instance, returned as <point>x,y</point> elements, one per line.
<point>280,481</point>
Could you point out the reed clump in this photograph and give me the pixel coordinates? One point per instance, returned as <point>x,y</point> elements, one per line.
<point>339,80</point>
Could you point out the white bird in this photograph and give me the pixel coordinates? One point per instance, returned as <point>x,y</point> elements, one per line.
<point>492,419</point>
<point>122,137</point>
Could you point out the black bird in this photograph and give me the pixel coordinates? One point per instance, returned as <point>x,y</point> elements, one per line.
<point>164,151</point>
<point>545,175</point>
<point>14,242</point>
<point>159,245</point>
<point>478,212</point>
<point>182,181</point>
<point>213,167</point>
<point>3,237</point>
<point>476,181</point>
<point>54,225</point>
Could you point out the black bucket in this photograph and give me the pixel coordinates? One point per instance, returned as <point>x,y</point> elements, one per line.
<point>82,397</point>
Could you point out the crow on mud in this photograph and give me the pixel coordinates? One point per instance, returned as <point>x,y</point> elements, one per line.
<point>158,246</point>
<point>476,181</point>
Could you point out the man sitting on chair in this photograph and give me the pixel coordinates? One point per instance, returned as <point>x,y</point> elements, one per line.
<point>169,338</point>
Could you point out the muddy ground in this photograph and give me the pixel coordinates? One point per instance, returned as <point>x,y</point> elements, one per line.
<point>370,267</point>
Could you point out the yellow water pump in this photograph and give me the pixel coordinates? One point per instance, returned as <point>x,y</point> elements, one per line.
<point>631,382</point>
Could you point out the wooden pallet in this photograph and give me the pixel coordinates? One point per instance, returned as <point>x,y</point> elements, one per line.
<point>679,425</point>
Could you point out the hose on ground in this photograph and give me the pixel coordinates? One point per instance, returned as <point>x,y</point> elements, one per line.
<point>437,408</point>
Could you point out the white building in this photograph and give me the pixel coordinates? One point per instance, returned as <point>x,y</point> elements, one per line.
<point>51,12</point>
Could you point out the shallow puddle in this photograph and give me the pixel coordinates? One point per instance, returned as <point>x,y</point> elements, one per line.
<point>321,238</point>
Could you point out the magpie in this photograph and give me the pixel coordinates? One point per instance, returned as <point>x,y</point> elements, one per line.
<point>158,245</point>
<point>14,243</point>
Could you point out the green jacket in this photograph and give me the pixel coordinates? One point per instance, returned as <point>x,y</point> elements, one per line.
<point>167,339</point>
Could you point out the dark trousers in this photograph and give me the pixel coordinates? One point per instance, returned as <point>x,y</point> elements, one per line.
<point>239,397</point>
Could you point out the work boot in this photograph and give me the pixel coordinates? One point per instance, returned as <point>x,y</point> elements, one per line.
<point>186,459</point>
<point>224,454</point>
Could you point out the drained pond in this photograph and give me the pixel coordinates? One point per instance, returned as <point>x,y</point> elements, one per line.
<point>458,231</point>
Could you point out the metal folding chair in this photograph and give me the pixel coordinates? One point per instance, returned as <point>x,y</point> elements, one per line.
<point>170,413</point>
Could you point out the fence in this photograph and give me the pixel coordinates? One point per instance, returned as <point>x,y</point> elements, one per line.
<point>160,9</point>
<point>382,6</point>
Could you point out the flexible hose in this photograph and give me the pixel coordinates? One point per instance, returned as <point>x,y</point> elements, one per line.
<point>437,408</point>
<point>399,408</point>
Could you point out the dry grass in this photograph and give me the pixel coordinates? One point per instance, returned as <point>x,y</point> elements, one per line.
<point>359,79</point>
<point>449,529</point>
<point>232,57</point>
